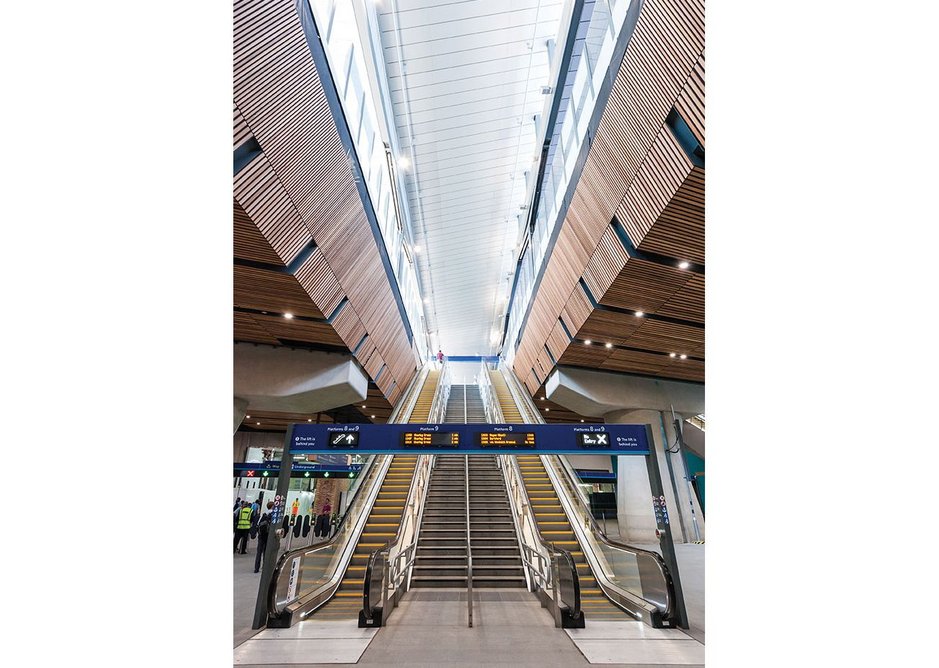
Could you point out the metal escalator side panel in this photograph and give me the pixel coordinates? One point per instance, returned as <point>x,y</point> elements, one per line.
<point>290,575</point>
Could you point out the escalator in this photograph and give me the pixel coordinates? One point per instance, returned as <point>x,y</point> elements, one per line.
<point>632,583</point>
<point>325,581</point>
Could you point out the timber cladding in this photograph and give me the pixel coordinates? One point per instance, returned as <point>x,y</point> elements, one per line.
<point>299,192</point>
<point>636,212</point>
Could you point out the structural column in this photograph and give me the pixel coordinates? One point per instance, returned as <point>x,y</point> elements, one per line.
<point>687,501</point>
<point>634,512</point>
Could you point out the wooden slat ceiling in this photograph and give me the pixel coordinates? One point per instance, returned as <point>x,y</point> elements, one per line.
<point>299,192</point>
<point>637,181</point>
<point>375,404</point>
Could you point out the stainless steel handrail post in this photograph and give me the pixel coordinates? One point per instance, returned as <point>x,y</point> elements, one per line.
<point>469,546</point>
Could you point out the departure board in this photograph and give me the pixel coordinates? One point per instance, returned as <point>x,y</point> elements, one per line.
<point>430,439</point>
<point>512,439</point>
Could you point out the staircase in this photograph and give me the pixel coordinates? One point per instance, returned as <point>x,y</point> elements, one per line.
<point>471,411</point>
<point>496,558</point>
<point>441,559</point>
<point>441,549</point>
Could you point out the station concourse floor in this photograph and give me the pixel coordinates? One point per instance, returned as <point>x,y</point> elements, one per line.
<point>510,628</point>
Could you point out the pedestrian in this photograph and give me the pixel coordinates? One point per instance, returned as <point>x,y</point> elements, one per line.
<point>243,527</point>
<point>440,357</point>
<point>264,529</point>
<point>237,504</point>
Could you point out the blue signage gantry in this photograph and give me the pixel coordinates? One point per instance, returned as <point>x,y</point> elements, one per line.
<point>542,439</point>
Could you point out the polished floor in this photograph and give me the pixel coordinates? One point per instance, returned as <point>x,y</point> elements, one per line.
<point>429,629</point>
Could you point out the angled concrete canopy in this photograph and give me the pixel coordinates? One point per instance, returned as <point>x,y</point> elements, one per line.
<point>596,393</point>
<point>286,380</point>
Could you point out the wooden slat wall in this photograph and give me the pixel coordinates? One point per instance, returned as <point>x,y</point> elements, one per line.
<point>637,170</point>
<point>249,243</point>
<point>247,329</point>
<point>661,175</point>
<point>263,198</point>
<point>690,103</point>
<point>263,290</point>
<point>279,92</point>
<point>320,283</point>
<point>240,129</point>
<point>605,264</point>
<point>679,230</point>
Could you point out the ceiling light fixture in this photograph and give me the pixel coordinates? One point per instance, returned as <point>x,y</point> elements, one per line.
<point>609,345</point>
<point>309,419</point>
<point>684,357</point>
<point>258,424</point>
<point>581,420</point>
<point>247,417</point>
<point>373,417</point>
<point>639,314</point>
<point>547,410</point>
<point>671,354</point>
<point>289,316</point>
<point>363,405</point>
<point>587,342</point>
<point>683,265</point>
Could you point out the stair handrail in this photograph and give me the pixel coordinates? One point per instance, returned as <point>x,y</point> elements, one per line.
<point>438,408</point>
<point>487,392</point>
<point>469,542</point>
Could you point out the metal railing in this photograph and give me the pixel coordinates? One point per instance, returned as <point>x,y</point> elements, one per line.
<point>387,573</point>
<point>469,547</point>
<point>637,580</point>
<point>439,406</point>
<point>548,568</point>
<point>488,394</point>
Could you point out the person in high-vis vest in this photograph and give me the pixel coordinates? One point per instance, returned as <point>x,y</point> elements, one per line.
<point>243,527</point>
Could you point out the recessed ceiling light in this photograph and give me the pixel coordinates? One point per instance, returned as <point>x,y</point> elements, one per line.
<point>309,419</point>
<point>247,416</point>
<point>258,423</point>
<point>587,342</point>
<point>684,357</point>
<point>542,398</point>
<point>671,354</point>
<point>581,420</point>
<point>547,410</point>
<point>289,316</point>
<point>263,312</point>
<point>363,406</point>
<point>683,265</point>
<point>609,345</point>
<point>639,314</point>
<point>373,417</point>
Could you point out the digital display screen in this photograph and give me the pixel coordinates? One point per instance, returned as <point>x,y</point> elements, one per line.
<point>430,439</point>
<point>511,439</point>
<point>344,439</point>
<point>593,440</point>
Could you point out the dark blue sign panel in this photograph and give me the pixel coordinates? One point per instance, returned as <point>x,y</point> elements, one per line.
<point>609,439</point>
<point>298,470</point>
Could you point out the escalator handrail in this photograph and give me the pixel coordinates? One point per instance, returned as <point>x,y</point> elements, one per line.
<point>580,510</point>
<point>523,401</point>
<point>287,556</point>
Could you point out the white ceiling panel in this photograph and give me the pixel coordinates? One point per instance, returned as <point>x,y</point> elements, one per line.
<point>465,80</point>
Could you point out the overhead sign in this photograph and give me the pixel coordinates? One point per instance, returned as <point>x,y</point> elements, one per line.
<point>611,439</point>
<point>298,470</point>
